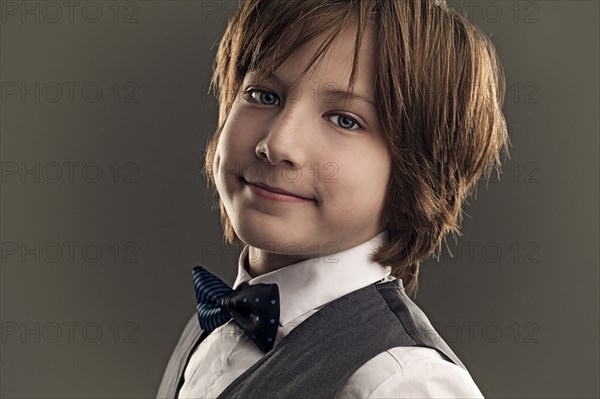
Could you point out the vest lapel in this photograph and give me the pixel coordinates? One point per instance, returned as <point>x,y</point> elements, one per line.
<point>172,380</point>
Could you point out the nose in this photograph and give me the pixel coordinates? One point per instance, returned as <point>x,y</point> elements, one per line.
<point>286,136</point>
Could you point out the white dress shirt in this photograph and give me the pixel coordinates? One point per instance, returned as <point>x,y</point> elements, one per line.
<point>304,288</point>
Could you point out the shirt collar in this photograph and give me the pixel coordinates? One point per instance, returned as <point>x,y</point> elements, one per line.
<point>314,282</point>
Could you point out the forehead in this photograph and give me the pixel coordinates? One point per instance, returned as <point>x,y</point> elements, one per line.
<point>334,66</point>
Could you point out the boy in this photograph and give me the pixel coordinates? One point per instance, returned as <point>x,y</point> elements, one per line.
<point>350,133</point>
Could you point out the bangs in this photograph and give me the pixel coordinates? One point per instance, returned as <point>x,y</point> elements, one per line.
<point>269,32</point>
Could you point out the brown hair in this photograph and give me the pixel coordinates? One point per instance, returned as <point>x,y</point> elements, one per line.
<point>441,87</point>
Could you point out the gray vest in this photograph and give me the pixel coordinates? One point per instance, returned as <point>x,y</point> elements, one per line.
<point>319,355</point>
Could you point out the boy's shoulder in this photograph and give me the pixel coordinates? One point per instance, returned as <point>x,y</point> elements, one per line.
<point>408,372</point>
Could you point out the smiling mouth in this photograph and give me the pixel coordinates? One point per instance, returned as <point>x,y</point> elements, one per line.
<point>267,193</point>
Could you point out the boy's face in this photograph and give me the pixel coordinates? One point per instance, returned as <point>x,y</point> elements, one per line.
<point>296,137</point>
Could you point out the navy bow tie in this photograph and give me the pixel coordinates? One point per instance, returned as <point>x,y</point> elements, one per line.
<point>255,308</point>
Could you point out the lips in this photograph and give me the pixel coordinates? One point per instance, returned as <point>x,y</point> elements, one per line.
<point>277,190</point>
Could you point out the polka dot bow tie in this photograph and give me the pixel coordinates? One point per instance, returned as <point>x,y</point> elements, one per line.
<point>255,308</point>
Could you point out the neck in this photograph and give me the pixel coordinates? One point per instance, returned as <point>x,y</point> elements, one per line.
<point>260,261</point>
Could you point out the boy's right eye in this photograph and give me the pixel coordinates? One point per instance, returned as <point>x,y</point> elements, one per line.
<point>261,96</point>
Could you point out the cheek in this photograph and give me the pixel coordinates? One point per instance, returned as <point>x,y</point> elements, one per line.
<point>361,171</point>
<point>237,141</point>
<point>360,186</point>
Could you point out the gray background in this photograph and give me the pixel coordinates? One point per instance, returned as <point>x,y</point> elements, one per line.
<point>518,303</point>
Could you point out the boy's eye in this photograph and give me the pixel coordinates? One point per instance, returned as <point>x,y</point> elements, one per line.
<point>346,122</point>
<point>261,96</point>
<point>266,97</point>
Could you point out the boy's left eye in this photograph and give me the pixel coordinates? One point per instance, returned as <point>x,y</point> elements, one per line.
<point>345,120</point>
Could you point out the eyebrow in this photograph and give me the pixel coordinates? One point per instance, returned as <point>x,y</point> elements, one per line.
<point>339,94</point>
<point>331,93</point>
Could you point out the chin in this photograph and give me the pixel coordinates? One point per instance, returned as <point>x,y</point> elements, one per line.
<point>262,238</point>
<point>269,239</point>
